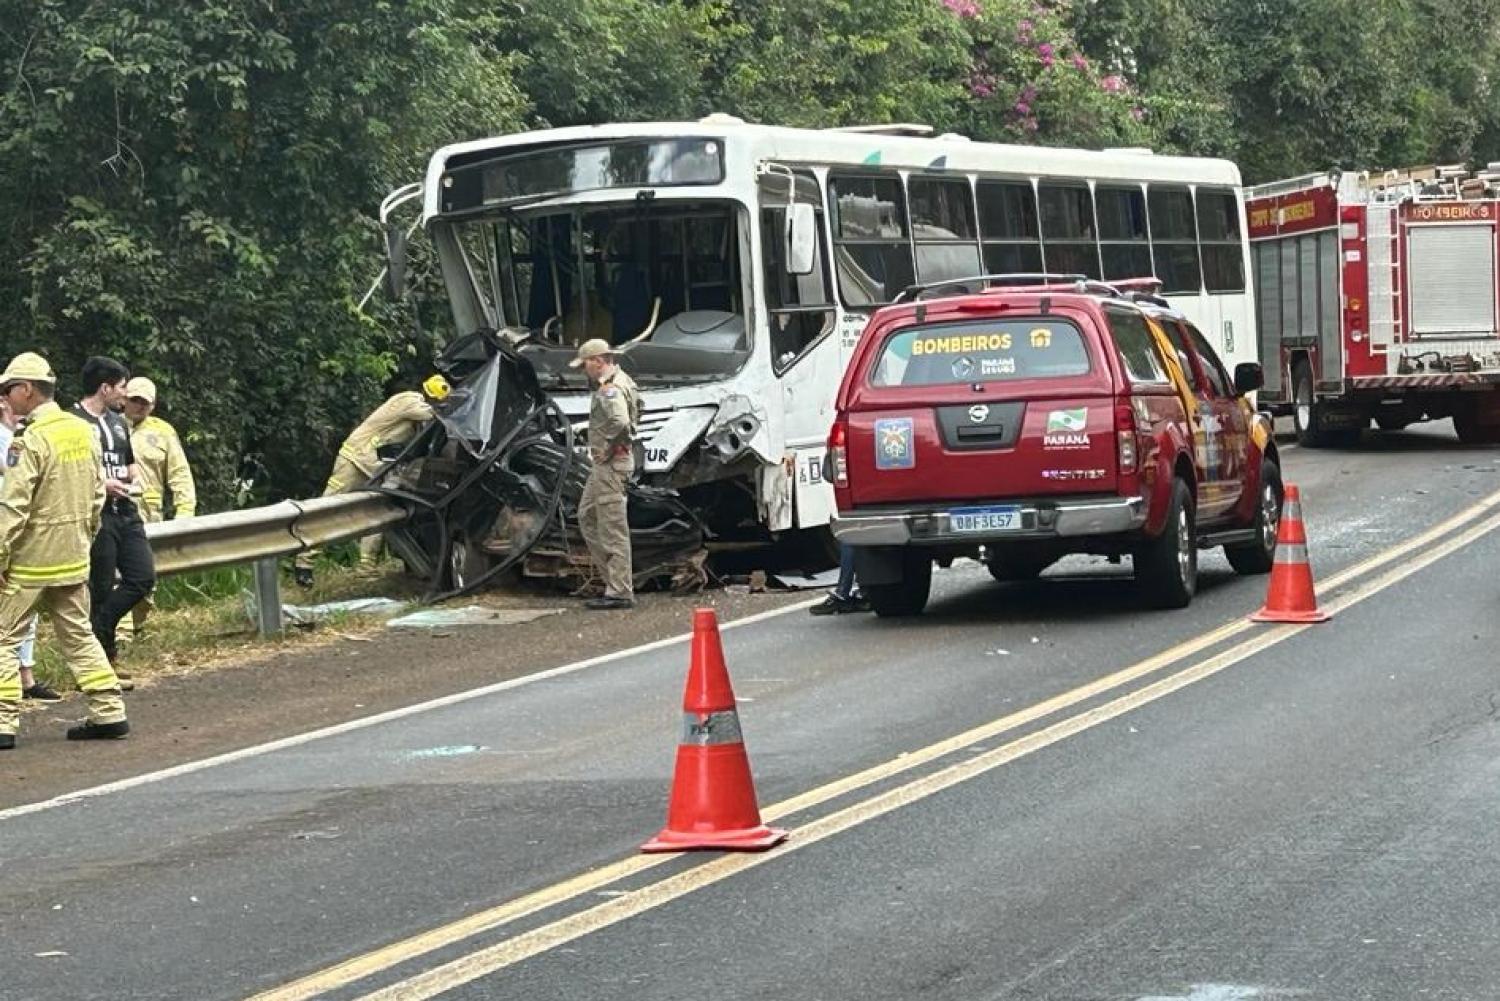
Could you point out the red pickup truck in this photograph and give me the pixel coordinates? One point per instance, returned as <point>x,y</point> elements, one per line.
<point>1019,424</point>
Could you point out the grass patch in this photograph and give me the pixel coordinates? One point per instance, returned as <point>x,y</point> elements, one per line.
<point>205,618</point>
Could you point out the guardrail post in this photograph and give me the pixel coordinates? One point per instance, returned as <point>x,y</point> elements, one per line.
<point>268,597</point>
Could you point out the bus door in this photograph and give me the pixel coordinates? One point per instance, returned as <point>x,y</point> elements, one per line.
<point>805,353</point>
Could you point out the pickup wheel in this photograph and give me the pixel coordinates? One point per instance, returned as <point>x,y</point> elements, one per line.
<point>907,596</point>
<point>1258,556</point>
<point>1166,568</point>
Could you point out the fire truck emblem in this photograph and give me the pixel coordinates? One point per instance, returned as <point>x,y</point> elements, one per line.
<point>894,445</point>
<point>1041,337</point>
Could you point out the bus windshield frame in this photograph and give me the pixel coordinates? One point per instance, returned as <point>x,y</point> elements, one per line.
<point>665,281</point>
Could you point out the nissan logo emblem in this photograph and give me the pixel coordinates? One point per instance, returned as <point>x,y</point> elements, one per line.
<point>978,412</point>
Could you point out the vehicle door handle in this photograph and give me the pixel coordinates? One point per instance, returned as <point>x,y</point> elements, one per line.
<point>982,433</point>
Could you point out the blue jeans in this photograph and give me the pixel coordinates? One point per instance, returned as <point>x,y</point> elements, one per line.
<point>845,588</point>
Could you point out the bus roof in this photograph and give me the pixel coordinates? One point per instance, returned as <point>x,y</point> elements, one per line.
<point>869,149</point>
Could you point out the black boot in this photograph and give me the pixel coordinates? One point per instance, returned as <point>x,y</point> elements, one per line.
<point>99,731</point>
<point>7,741</point>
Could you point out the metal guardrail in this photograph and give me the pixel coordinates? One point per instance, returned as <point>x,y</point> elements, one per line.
<point>261,535</point>
<point>284,529</point>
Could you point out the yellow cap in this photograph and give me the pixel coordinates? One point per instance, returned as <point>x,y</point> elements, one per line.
<point>141,387</point>
<point>436,388</point>
<point>28,366</point>
<point>591,349</point>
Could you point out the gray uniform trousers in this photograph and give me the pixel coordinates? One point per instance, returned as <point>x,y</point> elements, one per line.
<point>601,516</point>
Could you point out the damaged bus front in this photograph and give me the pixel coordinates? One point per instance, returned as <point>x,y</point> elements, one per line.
<point>551,239</point>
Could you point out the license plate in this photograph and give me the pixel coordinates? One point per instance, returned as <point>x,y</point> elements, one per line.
<point>985,519</point>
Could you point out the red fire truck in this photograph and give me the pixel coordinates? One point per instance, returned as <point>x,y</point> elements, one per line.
<point>1377,299</point>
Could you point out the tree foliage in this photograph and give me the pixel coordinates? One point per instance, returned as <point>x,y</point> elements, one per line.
<point>191,185</point>
<point>188,187</point>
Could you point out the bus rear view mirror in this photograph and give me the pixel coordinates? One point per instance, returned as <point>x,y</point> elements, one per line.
<point>395,262</point>
<point>800,240</point>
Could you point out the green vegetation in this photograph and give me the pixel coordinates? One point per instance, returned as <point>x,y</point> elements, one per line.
<point>190,185</point>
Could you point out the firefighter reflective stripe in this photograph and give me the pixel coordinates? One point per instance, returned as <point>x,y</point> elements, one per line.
<point>34,576</point>
<point>97,681</point>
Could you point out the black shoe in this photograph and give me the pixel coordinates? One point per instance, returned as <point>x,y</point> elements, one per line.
<point>99,731</point>
<point>609,601</point>
<point>834,605</point>
<point>302,576</point>
<point>7,741</point>
<point>40,692</point>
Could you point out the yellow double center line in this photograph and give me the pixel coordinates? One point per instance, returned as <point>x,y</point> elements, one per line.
<point>1424,550</point>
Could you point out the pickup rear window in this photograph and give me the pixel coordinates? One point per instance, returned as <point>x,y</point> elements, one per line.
<point>982,351</point>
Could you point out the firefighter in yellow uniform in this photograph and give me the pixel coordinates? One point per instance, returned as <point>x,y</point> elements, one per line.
<point>162,465</point>
<point>395,422</point>
<point>614,410</point>
<point>50,506</point>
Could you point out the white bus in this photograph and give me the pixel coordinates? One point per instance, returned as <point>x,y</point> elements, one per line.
<point>734,265</point>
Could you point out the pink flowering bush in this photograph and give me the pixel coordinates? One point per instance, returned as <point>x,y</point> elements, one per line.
<point>1030,82</point>
<point>963,8</point>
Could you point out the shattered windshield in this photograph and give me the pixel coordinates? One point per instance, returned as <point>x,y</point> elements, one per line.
<point>661,281</point>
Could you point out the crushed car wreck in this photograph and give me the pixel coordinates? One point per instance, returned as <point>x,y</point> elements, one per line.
<point>494,484</point>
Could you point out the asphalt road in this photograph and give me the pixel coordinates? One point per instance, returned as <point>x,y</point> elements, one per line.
<point>1031,792</point>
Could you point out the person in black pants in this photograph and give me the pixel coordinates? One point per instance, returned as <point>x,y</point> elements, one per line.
<point>121,570</point>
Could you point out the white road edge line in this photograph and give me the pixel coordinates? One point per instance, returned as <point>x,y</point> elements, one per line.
<point>229,757</point>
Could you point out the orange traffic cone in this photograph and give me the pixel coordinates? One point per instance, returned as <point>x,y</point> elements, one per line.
<point>713,797</point>
<point>1291,597</point>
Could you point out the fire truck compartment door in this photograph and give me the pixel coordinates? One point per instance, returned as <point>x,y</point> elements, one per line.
<point>1452,279</point>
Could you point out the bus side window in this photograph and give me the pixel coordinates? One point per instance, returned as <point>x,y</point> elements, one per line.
<point>871,238</point>
<point>1069,235</point>
<point>942,222</point>
<point>800,307</point>
<point>1122,232</point>
<point>1174,239</point>
<point>1219,232</point>
<point>1008,227</point>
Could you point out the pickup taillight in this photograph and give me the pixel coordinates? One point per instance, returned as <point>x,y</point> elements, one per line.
<point>838,453</point>
<point>1126,434</point>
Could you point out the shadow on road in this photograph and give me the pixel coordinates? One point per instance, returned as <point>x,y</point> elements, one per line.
<point>1063,595</point>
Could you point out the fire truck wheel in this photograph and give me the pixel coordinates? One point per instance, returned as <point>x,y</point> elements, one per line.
<point>1474,426</point>
<point>1307,415</point>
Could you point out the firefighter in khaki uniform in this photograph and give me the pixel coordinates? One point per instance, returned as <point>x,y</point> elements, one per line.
<point>613,413</point>
<point>395,422</point>
<point>50,506</point>
<point>162,466</point>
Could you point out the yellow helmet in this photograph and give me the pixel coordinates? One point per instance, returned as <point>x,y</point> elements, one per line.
<point>436,388</point>
<point>28,366</point>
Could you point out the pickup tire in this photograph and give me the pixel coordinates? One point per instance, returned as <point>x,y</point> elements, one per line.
<point>907,596</point>
<point>1166,567</point>
<point>1257,557</point>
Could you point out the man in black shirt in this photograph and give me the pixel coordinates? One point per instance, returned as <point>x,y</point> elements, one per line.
<point>121,570</point>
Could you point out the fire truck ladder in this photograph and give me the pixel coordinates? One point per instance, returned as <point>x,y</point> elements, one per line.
<point>1385,274</point>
